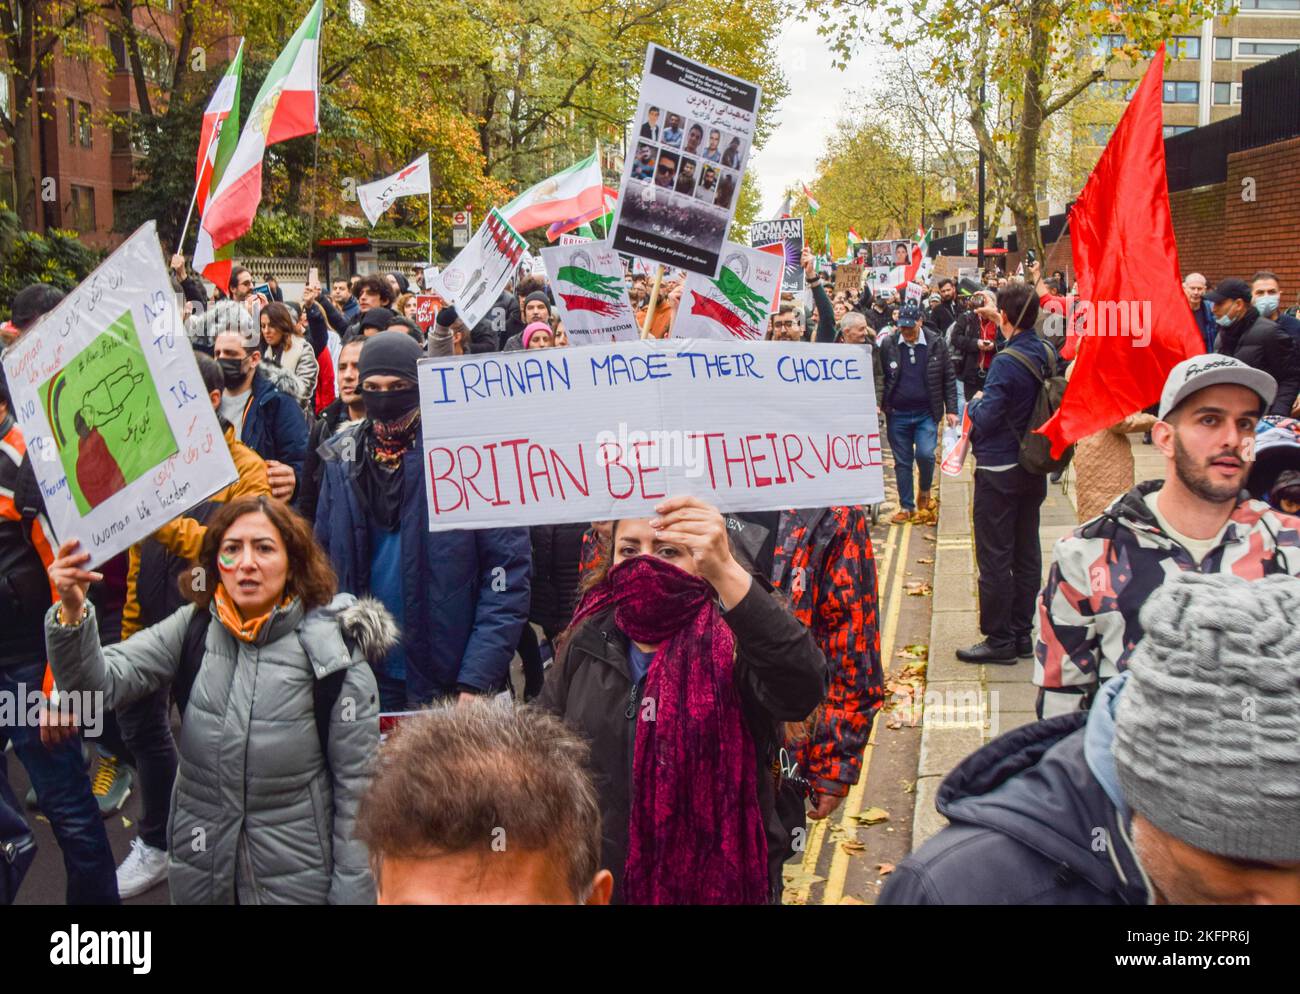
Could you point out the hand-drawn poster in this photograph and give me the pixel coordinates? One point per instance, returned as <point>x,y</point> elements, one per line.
<point>735,304</point>
<point>475,278</point>
<point>591,293</point>
<point>691,139</point>
<point>109,398</point>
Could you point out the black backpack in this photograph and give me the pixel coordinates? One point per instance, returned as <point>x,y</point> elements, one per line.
<point>1036,449</point>
<point>325,690</point>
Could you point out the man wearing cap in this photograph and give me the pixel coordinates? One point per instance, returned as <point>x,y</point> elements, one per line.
<point>1255,340</point>
<point>459,597</point>
<point>1181,786</point>
<point>1195,521</point>
<point>918,387</point>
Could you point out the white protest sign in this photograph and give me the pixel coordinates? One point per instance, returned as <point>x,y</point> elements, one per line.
<point>693,130</point>
<point>475,278</point>
<point>377,197</point>
<point>556,435</point>
<point>914,292</point>
<point>591,293</point>
<point>121,432</point>
<point>788,233</point>
<point>568,239</point>
<point>430,274</point>
<point>737,303</point>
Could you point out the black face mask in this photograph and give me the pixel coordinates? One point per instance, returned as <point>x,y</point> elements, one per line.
<point>390,405</point>
<point>233,372</point>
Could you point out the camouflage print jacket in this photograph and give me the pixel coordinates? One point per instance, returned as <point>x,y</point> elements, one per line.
<point>1106,569</point>
<point>824,564</point>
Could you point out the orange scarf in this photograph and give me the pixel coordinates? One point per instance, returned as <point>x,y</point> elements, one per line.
<point>228,614</point>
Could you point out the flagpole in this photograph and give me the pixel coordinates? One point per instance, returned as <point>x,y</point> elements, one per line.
<point>430,222</point>
<point>311,223</point>
<point>194,198</point>
<point>654,299</point>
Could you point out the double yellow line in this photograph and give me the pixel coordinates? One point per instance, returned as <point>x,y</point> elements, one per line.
<point>894,556</point>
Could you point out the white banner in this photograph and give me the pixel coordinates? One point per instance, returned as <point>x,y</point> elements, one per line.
<point>531,438</point>
<point>591,293</point>
<point>735,304</point>
<point>377,197</point>
<point>475,278</point>
<point>121,432</point>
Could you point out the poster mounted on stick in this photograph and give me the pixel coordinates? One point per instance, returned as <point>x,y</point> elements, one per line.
<point>788,233</point>
<point>427,306</point>
<point>475,278</point>
<point>590,292</point>
<point>848,276</point>
<point>693,129</point>
<point>543,437</point>
<point>736,303</point>
<point>121,432</point>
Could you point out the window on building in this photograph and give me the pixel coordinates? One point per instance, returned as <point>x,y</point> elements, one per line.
<point>83,208</point>
<point>1270,5</point>
<point>1115,89</point>
<point>156,59</point>
<point>121,57</point>
<point>84,134</point>
<point>70,108</point>
<point>1223,93</point>
<point>1264,49</point>
<point>6,98</point>
<point>1185,47</point>
<point>1236,93</point>
<point>1182,92</point>
<point>1223,48</point>
<point>1103,45</point>
<point>1177,129</point>
<point>1097,134</point>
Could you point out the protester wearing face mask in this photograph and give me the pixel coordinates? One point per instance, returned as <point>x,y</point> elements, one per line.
<point>266,416</point>
<point>460,597</point>
<point>1266,297</point>
<point>679,668</point>
<point>1256,341</point>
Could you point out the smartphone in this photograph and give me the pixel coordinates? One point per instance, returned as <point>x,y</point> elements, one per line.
<point>1030,257</point>
<point>313,276</point>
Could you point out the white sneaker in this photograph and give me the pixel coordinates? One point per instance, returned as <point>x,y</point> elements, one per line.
<point>143,869</point>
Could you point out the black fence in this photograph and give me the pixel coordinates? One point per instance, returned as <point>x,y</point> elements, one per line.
<point>1270,101</point>
<point>1200,157</point>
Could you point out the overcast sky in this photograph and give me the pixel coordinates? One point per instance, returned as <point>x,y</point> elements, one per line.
<point>806,117</point>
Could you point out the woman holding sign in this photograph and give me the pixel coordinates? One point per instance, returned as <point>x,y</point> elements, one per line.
<point>680,667</point>
<point>280,716</point>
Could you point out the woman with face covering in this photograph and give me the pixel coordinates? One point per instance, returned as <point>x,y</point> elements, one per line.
<point>286,348</point>
<point>680,667</point>
<point>280,716</point>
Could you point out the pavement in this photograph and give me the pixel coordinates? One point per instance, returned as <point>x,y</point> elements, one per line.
<point>967,705</point>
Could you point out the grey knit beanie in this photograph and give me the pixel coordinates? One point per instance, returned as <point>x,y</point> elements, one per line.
<point>1207,729</point>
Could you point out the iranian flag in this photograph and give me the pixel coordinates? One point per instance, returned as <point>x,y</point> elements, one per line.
<point>604,215</point>
<point>287,106</point>
<point>223,102</point>
<point>853,238</point>
<point>812,202</point>
<point>920,264</point>
<point>214,263</point>
<point>572,193</point>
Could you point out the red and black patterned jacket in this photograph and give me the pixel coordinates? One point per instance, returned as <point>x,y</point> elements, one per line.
<point>825,564</point>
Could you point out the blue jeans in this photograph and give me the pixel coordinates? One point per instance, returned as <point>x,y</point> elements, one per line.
<point>912,438</point>
<point>63,789</point>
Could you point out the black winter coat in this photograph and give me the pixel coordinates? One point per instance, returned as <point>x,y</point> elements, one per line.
<point>1260,343</point>
<point>322,430</point>
<point>557,551</point>
<point>1025,812</point>
<point>781,676</point>
<point>965,346</point>
<point>939,380</point>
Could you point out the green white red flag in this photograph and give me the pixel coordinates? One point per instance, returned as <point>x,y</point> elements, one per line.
<point>813,206</point>
<point>568,194</point>
<point>287,106</point>
<point>224,102</point>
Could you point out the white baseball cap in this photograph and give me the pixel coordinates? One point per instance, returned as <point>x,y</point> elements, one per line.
<point>1203,371</point>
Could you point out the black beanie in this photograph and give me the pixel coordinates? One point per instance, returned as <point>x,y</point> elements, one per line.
<point>538,295</point>
<point>390,353</point>
<point>377,317</point>
<point>32,302</point>
<point>403,283</point>
<point>446,316</point>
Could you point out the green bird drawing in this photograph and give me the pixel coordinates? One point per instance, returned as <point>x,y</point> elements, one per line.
<point>606,286</point>
<point>741,296</point>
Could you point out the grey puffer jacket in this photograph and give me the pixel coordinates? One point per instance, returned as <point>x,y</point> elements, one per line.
<point>257,816</point>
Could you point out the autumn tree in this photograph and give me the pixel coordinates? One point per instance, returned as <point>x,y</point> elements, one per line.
<point>1035,56</point>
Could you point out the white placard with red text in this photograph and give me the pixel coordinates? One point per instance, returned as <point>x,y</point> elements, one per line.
<point>607,431</point>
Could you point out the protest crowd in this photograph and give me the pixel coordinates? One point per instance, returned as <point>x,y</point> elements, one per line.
<point>315,696</point>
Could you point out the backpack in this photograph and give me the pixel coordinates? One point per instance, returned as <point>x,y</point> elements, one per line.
<point>325,690</point>
<point>1036,449</point>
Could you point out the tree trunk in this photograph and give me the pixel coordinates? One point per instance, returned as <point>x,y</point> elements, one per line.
<point>21,150</point>
<point>1023,201</point>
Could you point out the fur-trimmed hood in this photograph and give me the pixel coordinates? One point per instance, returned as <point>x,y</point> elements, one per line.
<point>282,379</point>
<point>369,626</point>
<point>346,632</point>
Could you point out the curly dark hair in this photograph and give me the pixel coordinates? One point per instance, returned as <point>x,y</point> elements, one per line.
<point>310,577</point>
<point>377,285</point>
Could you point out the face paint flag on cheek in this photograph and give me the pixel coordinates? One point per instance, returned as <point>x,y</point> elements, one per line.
<point>226,562</point>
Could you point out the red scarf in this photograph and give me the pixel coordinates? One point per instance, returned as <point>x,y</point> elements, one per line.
<point>695,832</point>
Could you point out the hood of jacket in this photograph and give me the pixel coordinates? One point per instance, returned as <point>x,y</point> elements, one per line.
<point>278,377</point>
<point>1034,785</point>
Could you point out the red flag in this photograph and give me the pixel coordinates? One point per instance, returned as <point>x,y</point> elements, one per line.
<point>1137,321</point>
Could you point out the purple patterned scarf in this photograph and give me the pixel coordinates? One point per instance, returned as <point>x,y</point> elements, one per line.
<point>695,832</point>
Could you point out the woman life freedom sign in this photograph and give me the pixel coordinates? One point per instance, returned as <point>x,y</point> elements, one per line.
<point>608,431</point>
<point>122,435</point>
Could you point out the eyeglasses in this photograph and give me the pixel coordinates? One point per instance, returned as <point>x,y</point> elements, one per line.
<point>783,324</point>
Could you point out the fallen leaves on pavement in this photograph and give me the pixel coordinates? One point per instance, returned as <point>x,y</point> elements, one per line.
<point>872,816</point>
